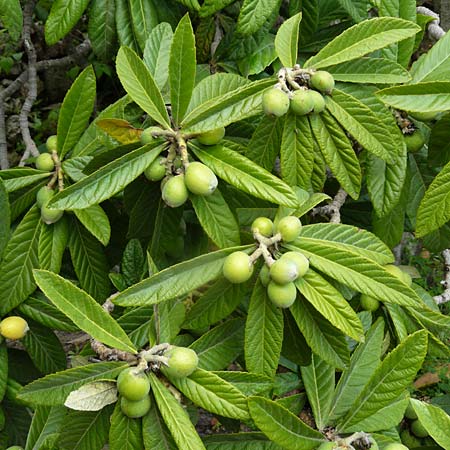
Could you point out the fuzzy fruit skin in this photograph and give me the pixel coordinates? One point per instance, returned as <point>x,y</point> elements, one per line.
<point>52,143</point>
<point>200,179</point>
<point>182,362</point>
<point>211,137</point>
<point>45,162</point>
<point>418,429</point>
<point>327,446</point>
<point>15,447</point>
<point>323,81</point>
<point>237,267</point>
<point>263,225</point>
<point>282,295</point>
<point>132,384</point>
<point>369,303</point>
<point>395,447</point>
<point>275,102</point>
<point>264,275</point>
<point>175,192</point>
<point>301,261</point>
<point>409,440</point>
<point>137,409</point>
<point>415,141</point>
<point>156,170</point>
<point>283,271</point>
<point>396,271</point>
<point>410,413</point>
<point>318,102</point>
<point>49,216</point>
<point>44,194</point>
<point>289,227</point>
<point>13,327</point>
<point>146,135</point>
<point>301,102</point>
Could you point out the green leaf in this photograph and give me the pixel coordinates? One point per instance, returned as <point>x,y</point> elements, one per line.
<point>124,25</point>
<point>214,394</point>
<point>171,317</point>
<point>286,41</point>
<point>281,426</point>
<point>93,396</point>
<point>433,96</point>
<point>182,67</point>
<point>46,422</point>
<point>52,244</point>
<point>370,70</point>
<point>19,259</point>
<point>96,222</point>
<point>15,183</point>
<point>318,379</point>
<point>263,333</point>
<point>62,18</point>
<point>434,209</point>
<point>4,369</point>
<point>209,7</point>
<point>107,181</point>
<point>260,58</point>
<point>242,173</point>
<point>361,39</point>
<point>175,417</point>
<point>5,218</point>
<point>253,15</point>
<point>155,432</point>
<point>439,144</point>
<point>125,433</point>
<point>191,4</point>
<point>144,17</point>
<point>247,383</point>
<point>53,389</point>
<point>140,85</point>
<point>176,280</point>
<point>389,380</point>
<point>239,441</point>
<point>12,17</point>
<point>102,28</point>
<point>357,9</point>
<point>83,310</point>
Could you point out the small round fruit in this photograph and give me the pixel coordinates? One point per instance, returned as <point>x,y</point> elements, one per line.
<point>133,384</point>
<point>418,429</point>
<point>13,327</point>
<point>52,143</point>
<point>147,136</point>
<point>300,260</point>
<point>175,192</point>
<point>135,409</point>
<point>397,272</point>
<point>182,362</point>
<point>44,195</point>
<point>369,303</point>
<point>410,413</point>
<point>415,141</point>
<point>395,446</point>
<point>409,440</point>
<point>45,162</point>
<point>301,102</point>
<point>275,102</point>
<point>263,225</point>
<point>318,102</point>
<point>200,179</point>
<point>283,271</point>
<point>264,275</point>
<point>237,267</point>
<point>211,137</point>
<point>323,81</point>
<point>49,216</point>
<point>156,170</point>
<point>15,447</point>
<point>373,444</point>
<point>327,446</point>
<point>282,295</point>
<point>289,227</point>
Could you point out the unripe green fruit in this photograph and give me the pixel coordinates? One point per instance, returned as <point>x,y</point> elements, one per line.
<point>211,137</point>
<point>282,295</point>
<point>318,102</point>
<point>135,409</point>
<point>301,261</point>
<point>289,227</point>
<point>395,446</point>
<point>49,216</point>
<point>263,225</point>
<point>156,170</point>
<point>200,179</point>
<point>174,192</point>
<point>397,272</point>
<point>409,440</point>
<point>369,303</point>
<point>182,362</point>
<point>237,267</point>
<point>425,116</point>
<point>45,162</point>
<point>327,446</point>
<point>415,141</point>
<point>44,195</point>
<point>264,275</point>
<point>373,444</point>
<point>275,102</point>
<point>418,429</point>
<point>301,102</point>
<point>323,81</point>
<point>13,327</point>
<point>52,143</point>
<point>283,271</point>
<point>410,413</point>
<point>146,135</point>
<point>15,447</point>
<point>133,384</point>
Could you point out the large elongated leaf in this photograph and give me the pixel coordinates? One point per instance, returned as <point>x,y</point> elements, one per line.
<point>46,422</point>
<point>245,175</point>
<point>5,218</point>
<point>361,39</point>
<point>124,26</point>
<point>52,244</point>
<point>107,181</point>
<point>144,17</point>
<point>12,184</point>
<point>11,17</point>
<point>102,28</point>
<point>20,258</point>
<point>253,14</point>
<point>140,85</point>
<point>83,310</point>
<point>125,433</point>
<point>96,222</point>
<point>286,41</point>
<point>155,432</point>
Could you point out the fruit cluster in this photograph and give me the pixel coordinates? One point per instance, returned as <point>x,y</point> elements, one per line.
<point>134,387</point>
<point>305,98</point>
<point>416,435</point>
<point>13,327</point>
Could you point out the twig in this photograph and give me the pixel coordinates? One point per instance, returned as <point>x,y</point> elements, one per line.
<point>445,296</point>
<point>4,163</point>
<point>218,35</point>
<point>333,209</point>
<point>435,31</point>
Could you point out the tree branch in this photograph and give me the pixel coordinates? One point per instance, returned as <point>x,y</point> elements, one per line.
<point>434,29</point>
<point>445,296</point>
<point>333,209</point>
